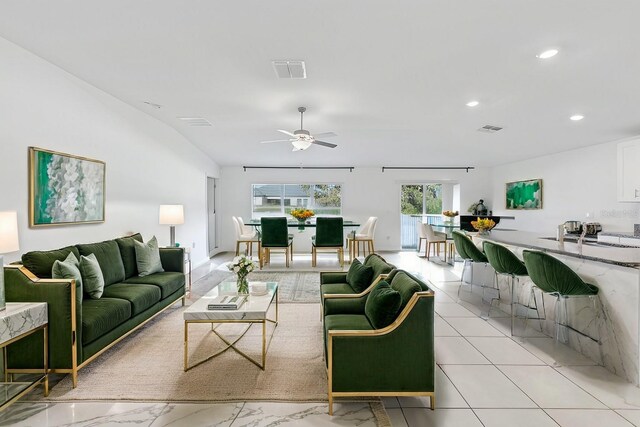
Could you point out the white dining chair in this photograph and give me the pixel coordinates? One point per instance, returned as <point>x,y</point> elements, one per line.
<point>425,232</point>
<point>245,234</point>
<point>365,235</point>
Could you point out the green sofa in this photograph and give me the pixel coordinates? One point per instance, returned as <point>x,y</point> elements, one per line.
<point>81,328</point>
<point>395,360</point>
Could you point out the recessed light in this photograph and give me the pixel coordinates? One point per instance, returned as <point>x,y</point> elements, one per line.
<point>473,104</point>
<point>547,54</point>
<point>576,117</point>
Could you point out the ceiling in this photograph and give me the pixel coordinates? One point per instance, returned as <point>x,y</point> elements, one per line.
<point>390,78</point>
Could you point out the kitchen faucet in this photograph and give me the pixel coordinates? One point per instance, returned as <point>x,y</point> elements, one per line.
<point>584,232</point>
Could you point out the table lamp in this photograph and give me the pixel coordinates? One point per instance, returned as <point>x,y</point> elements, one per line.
<point>8,243</point>
<point>172,215</point>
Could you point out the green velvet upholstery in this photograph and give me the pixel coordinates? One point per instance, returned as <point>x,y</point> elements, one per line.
<point>108,256</point>
<point>406,285</point>
<point>148,257</point>
<point>40,263</point>
<point>128,254</point>
<point>379,265</point>
<point>466,248</point>
<point>140,296</point>
<point>359,276</point>
<point>67,269</point>
<point>168,281</point>
<point>503,260</point>
<point>93,280</point>
<point>553,276</point>
<point>172,259</point>
<point>274,232</point>
<point>345,305</point>
<point>102,315</point>
<point>400,361</point>
<point>382,305</point>
<point>330,277</point>
<point>329,232</point>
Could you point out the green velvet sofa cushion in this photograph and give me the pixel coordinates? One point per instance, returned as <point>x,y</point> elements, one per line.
<point>332,277</point>
<point>336,288</point>
<point>169,282</point>
<point>40,263</point>
<point>344,305</point>
<point>148,257</point>
<point>344,322</point>
<point>99,316</point>
<point>128,254</point>
<point>108,256</point>
<point>92,278</point>
<point>67,269</point>
<point>406,286</point>
<point>141,297</point>
<point>382,305</point>
<point>359,276</point>
<point>379,265</point>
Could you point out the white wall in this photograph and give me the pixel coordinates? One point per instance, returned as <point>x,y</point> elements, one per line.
<point>148,163</point>
<point>575,183</point>
<point>366,192</point>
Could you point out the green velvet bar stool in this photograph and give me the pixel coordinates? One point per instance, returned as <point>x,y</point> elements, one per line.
<point>275,235</point>
<point>469,253</point>
<point>554,277</point>
<point>505,263</point>
<point>329,236</point>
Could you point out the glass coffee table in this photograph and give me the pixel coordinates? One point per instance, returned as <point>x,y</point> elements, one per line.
<point>254,310</point>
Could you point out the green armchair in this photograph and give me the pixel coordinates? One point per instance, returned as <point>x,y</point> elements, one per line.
<point>365,358</point>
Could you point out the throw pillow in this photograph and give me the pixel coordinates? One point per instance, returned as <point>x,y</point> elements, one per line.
<point>92,277</point>
<point>359,276</point>
<point>382,305</point>
<point>406,286</point>
<point>67,269</point>
<point>148,257</point>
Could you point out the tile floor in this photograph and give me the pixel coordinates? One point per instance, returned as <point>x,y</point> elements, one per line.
<point>483,378</point>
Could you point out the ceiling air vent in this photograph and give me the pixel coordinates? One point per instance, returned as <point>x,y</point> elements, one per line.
<point>290,69</point>
<point>489,129</point>
<point>195,121</point>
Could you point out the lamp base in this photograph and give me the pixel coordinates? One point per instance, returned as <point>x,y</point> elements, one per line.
<point>172,235</point>
<point>2,299</point>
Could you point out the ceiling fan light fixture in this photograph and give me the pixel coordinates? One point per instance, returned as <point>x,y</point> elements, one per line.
<point>301,144</point>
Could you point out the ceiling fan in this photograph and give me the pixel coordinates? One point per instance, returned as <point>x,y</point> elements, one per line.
<point>302,139</point>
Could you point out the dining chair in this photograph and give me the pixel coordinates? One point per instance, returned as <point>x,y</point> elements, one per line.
<point>246,235</point>
<point>436,238</point>
<point>275,235</point>
<point>364,235</point>
<point>329,236</point>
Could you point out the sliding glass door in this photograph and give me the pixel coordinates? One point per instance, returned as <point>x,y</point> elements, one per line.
<point>418,202</point>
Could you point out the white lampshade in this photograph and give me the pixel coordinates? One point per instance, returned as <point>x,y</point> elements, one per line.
<point>171,214</point>
<point>9,232</point>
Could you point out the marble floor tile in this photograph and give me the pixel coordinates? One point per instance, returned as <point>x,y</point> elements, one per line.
<point>610,389</point>
<point>396,416</point>
<point>257,414</point>
<point>548,388</point>
<point>485,386</point>
<point>504,351</point>
<point>443,329</point>
<point>587,418</point>
<point>441,418</point>
<point>446,309</point>
<point>473,327</point>
<point>514,417</point>
<point>457,350</point>
<point>631,415</point>
<point>198,414</point>
<point>552,352</point>
<point>390,402</point>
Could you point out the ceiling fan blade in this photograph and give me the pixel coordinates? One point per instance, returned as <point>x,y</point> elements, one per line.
<point>325,135</point>
<point>286,132</point>
<point>324,144</point>
<point>275,140</point>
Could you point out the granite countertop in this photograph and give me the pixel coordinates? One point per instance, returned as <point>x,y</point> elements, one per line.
<point>619,234</point>
<point>627,257</point>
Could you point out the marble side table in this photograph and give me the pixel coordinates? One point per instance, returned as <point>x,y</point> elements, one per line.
<point>18,320</point>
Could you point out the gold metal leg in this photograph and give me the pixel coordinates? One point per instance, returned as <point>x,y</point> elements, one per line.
<point>46,361</point>
<point>433,402</point>
<point>186,345</point>
<point>264,343</point>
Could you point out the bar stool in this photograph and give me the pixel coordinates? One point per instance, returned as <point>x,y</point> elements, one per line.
<point>555,278</point>
<point>469,253</point>
<point>505,263</point>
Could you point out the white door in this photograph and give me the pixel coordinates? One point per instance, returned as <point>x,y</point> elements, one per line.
<point>628,171</point>
<point>211,215</point>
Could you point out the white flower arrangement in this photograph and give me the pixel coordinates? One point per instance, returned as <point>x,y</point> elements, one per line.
<point>241,265</point>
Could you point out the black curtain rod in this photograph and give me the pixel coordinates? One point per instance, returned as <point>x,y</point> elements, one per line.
<point>467,168</point>
<point>299,167</point>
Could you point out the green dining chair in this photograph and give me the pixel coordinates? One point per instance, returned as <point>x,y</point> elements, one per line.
<point>469,253</point>
<point>329,236</point>
<point>505,263</point>
<point>553,277</point>
<point>275,235</point>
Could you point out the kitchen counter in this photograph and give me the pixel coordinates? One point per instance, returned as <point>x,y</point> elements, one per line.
<point>593,251</point>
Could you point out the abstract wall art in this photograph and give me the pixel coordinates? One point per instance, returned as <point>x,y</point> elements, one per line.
<point>65,189</point>
<point>524,194</point>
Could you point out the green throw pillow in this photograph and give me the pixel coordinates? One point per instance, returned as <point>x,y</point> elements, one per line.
<point>92,278</point>
<point>359,276</point>
<point>382,305</point>
<point>67,269</point>
<point>148,257</point>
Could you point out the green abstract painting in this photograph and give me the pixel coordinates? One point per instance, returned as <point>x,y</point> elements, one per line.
<point>524,194</point>
<point>65,189</point>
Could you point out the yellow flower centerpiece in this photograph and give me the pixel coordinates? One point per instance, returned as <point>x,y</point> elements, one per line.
<point>483,225</point>
<point>302,214</point>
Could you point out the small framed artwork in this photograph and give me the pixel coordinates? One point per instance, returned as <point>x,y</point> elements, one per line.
<point>65,189</point>
<point>524,194</point>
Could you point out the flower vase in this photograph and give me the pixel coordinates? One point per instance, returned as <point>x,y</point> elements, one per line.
<point>301,224</point>
<point>483,232</point>
<point>243,284</point>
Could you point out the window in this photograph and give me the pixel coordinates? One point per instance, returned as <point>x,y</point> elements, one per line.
<point>280,199</point>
